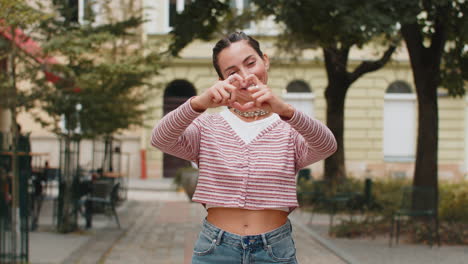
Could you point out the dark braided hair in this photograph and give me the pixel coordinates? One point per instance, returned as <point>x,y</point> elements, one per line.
<point>227,41</point>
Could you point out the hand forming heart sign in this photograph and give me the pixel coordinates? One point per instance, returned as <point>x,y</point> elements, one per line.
<point>244,94</point>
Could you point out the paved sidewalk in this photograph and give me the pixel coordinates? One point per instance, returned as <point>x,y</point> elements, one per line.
<point>165,232</point>
<point>377,250</point>
<point>159,225</point>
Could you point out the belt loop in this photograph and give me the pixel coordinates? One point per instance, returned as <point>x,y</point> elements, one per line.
<point>218,239</point>
<point>265,244</point>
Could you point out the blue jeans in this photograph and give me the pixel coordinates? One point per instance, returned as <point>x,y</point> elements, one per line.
<point>218,246</point>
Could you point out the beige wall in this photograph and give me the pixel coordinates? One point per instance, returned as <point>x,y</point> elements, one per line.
<point>466,136</point>
<point>363,112</point>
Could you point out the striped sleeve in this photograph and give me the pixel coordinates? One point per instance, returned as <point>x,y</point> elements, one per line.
<point>313,140</point>
<point>177,134</point>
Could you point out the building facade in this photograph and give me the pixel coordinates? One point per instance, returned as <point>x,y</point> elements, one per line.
<point>380,114</point>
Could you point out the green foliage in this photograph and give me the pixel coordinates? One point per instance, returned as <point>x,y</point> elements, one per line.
<point>453,214</point>
<point>442,28</point>
<point>388,194</point>
<point>103,69</point>
<point>353,227</point>
<point>201,19</point>
<point>18,13</point>
<point>453,202</point>
<point>315,23</point>
<point>15,14</point>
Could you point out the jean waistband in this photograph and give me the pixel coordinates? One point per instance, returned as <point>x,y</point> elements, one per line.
<point>220,236</point>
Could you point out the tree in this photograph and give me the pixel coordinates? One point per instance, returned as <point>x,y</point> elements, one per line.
<point>335,26</point>
<point>101,87</point>
<point>436,36</point>
<point>14,16</point>
<point>108,76</point>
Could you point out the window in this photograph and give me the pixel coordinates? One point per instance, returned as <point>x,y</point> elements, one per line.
<point>300,96</point>
<point>240,6</point>
<point>399,123</point>
<point>176,7</point>
<point>399,87</point>
<point>84,11</point>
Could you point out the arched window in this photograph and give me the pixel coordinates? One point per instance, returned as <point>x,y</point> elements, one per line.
<point>300,96</point>
<point>298,86</point>
<point>179,88</point>
<point>400,87</point>
<point>399,122</point>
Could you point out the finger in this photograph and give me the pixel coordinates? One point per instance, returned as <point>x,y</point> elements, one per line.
<point>255,88</point>
<point>235,79</point>
<point>216,96</point>
<point>230,87</point>
<point>258,94</point>
<point>231,90</point>
<point>252,79</point>
<point>223,92</point>
<point>262,99</point>
<point>243,107</point>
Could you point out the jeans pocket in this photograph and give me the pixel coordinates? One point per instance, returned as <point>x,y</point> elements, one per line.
<point>204,245</point>
<point>283,250</point>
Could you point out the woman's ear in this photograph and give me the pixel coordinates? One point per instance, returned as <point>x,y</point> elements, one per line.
<point>266,60</point>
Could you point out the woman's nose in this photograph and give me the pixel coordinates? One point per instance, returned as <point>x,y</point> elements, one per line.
<point>243,73</point>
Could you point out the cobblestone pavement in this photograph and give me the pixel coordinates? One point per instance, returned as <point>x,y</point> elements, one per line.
<point>163,232</point>
<point>159,225</point>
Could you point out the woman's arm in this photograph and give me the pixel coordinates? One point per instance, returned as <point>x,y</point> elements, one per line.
<point>313,141</point>
<point>177,134</point>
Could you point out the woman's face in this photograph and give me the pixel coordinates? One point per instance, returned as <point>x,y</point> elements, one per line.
<point>242,59</point>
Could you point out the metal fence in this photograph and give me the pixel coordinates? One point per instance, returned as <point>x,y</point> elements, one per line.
<point>14,216</point>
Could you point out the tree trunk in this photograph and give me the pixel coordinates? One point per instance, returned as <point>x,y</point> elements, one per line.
<point>335,95</point>
<point>425,173</point>
<point>15,205</point>
<point>425,63</point>
<point>335,168</point>
<point>339,81</point>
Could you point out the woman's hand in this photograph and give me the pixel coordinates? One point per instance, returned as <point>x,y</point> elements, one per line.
<point>264,98</point>
<point>221,93</point>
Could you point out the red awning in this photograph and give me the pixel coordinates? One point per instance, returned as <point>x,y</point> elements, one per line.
<point>31,48</point>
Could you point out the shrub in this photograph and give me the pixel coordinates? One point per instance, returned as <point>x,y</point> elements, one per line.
<point>453,202</point>
<point>453,214</point>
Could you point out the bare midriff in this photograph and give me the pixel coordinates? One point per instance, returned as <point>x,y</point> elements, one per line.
<point>246,222</point>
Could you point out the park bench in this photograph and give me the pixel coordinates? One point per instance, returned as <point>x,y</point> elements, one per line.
<point>102,198</point>
<point>332,199</point>
<point>417,203</point>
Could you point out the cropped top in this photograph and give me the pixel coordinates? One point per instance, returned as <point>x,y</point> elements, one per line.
<point>247,131</point>
<point>232,173</point>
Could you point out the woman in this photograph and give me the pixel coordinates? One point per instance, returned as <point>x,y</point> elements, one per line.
<point>248,156</point>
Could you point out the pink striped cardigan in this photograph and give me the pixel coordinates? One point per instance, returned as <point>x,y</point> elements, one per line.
<point>258,175</point>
